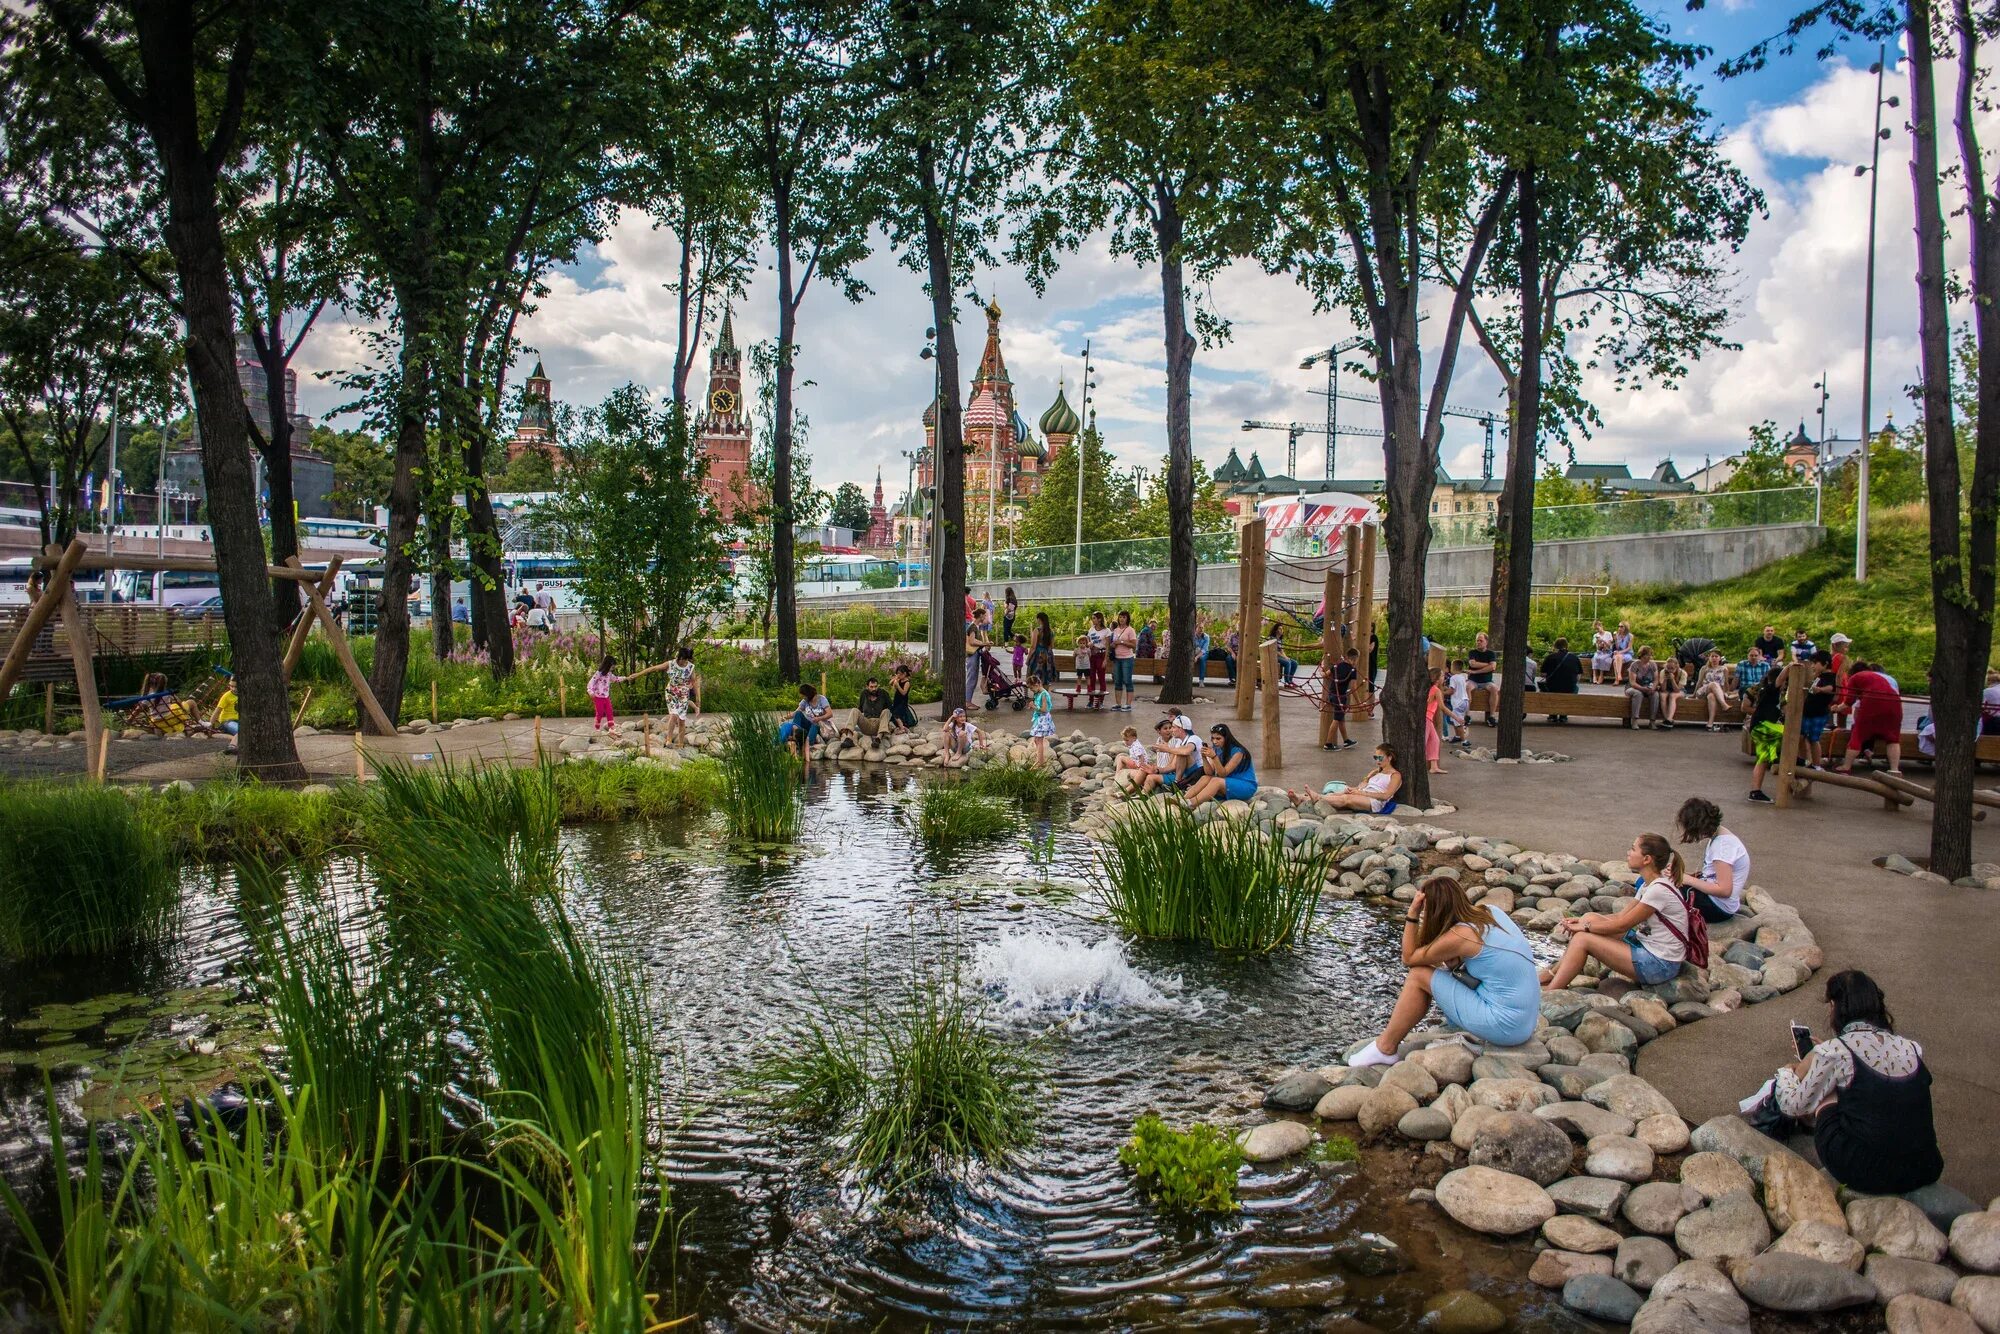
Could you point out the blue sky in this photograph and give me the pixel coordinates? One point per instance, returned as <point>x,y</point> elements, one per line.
<point>1797,128</point>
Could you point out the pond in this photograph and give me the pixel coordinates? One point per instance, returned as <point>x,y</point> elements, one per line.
<point>734,945</point>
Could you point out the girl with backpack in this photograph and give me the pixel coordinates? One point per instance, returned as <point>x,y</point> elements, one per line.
<point>1648,942</point>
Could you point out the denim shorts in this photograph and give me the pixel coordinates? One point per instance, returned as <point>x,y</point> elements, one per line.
<point>1121,672</point>
<point>1648,968</point>
<point>1812,729</point>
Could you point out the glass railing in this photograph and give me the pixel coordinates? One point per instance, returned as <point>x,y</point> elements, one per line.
<point>1135,553</point>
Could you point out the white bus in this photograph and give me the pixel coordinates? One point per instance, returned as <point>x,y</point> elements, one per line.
<point>554,571</point>
<point>843,572</point>
<point>14,572</point>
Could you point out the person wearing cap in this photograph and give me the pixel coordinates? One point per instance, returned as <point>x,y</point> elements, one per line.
<point>1181,755</point>
<point>1842,647</point>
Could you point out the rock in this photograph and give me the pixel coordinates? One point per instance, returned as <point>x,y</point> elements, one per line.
<point>1629,1096</point>
<point>1657,1206</point>
<point>1893,1277</point>
<point>1448,1063</point>
<point>1794,1191</point>
<point>1911,1314</point>
<point>1798,1283</point>
<point>1462,1312</point>
<point>1732,1135</point>
<point>1713,1175</point>
<point>1468,1124</point>
<point>1821,1241</point>
<point>1343,1104</point>
<point>1383,1108</point>
<point>1731,1228</point>
<point>1494,1202</point>
<point>1552,1269</point>
<point>1502,1067</point>
<point>1452,1102</point>
<point>1662,1134</point>
<point>1584,1121</point>
<point>1979,1297</point>
<point>1371,1255</point>
<point>1412,1078</point>
<point>1651,1010</point>
<point>1601,1033</point>
<point>1643,1261</point>
<point>1523,1144</point>
<point>1574,1232</point>
<point>1693,1308</point>
<point>1274,1140</point>
<point>1298,1091</point>
<point>1895,1227</point>
<point>1695,1276</point>
<point>1601,1296</point>
<point>1942,1204</point>
<point>1571,1081</point>
<point>1424,1123</point>
<point>1619,1157</point>
<point>1512,1095</point>
<point>1590,1197</point>
<point>1975,1242</point>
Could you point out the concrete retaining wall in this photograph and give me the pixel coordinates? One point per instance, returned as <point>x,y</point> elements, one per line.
<point>1693,558</point>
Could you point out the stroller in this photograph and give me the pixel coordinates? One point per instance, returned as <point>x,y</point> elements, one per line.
<point>998,686</point>
<point>1690,653</point>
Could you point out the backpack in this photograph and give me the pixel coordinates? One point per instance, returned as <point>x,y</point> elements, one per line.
<point>1695,942</point>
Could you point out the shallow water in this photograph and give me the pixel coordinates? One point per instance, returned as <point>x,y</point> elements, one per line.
<point>736,945</point>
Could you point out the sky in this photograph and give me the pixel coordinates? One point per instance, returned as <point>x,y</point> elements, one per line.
<point>1797,129</point>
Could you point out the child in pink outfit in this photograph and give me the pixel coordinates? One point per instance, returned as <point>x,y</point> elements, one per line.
<point>599,690</point>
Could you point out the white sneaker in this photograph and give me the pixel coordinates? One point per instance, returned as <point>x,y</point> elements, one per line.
<point>1372,1055</point>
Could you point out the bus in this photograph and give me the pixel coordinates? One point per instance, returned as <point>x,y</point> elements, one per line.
<point>844,572</point>
<point>90,585</point>
<point>345,536</point>
<point>553,571</point>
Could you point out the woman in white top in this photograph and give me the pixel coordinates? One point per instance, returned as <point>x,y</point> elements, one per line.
<point>1725,862</point>
<point>1376,793</point>
<point>1647,942</point>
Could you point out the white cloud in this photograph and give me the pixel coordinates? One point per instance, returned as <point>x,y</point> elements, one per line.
<point>1798,287</point>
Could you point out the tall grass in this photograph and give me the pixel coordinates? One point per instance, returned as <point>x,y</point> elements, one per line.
<point>914,1088</point>
<point>1165,876</point>
<point>80,873</point>
<point>1018,782</point>
<point>954,813</point>
<point>244,820</point>
<point>513,811</point>
<point>760,781</point>
<point>612,792</point>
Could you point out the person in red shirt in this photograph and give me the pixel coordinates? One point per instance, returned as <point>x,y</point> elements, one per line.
<point>1876,718</point>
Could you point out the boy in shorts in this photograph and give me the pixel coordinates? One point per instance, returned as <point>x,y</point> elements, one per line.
<point>1340,683</point>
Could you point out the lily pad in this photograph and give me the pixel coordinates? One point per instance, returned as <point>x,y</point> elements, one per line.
<point>125,1028</point>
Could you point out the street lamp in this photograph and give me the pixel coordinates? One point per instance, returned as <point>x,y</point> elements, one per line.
<point>1082,456</point>
<point>1874,173</point>
<point>1821,453</point>
<point>930,354</point>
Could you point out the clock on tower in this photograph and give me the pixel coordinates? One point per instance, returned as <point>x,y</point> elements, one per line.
<point>722,402</point>
<point>724,435</point>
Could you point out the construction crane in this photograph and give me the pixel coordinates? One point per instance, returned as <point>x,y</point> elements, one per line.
<point>1293,430</point>
<point>1492,420</point>
<point>1332,358</point>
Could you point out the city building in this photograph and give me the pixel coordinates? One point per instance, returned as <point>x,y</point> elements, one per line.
<point>1616,482</point>
<point>879,536</point>
<point>312,472</point>
<point>722,430</point>
<point>536,430</point>
<point>1243,485</point>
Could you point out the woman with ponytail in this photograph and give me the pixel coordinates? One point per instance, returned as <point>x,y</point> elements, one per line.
<point>1647,942</point>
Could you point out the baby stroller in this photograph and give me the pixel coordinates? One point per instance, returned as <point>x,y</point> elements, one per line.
<point>1690,654</point>
<point>998,686</point>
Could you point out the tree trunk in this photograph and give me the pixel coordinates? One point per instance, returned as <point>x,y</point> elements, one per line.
<point>277,452</point>
<point>1407,537</point>
<point>1177,683</point>
<point>782,559</point>
<point>1515,548</point>
<point>399,560</point>
<point>440,569</point>
<point>948,463</point>
<point>167,34</point>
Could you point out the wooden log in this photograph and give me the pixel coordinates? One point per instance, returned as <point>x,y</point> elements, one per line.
<point>49,709</point>
<point>1364,614</point>
<point>300,716</point>
<point>38,614</point>
<point>1330,642</point>
<point>1890,796</point>
<point>434,701</point>
<point>86,672</point>
<point>1268,663</point>
<point>296,649</point>
<point>646,735</point>
<point>1788,749</point>
<point>360,760</point>
<point>103,754</point>
<point>364,694</point>
<point>1916,789</point>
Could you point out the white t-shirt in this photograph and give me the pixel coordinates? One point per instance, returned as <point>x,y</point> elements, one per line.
<point>1665,901</point>
<point>1461,693</point>
<point>1725,847</point>
<point>1137,750</point>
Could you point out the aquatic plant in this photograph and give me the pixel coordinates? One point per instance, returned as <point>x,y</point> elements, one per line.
<point>80,873</point>
<point>1190,1171</point>
<point>242,819</point>
<point>1334,1149</point>
<point>1164,875</point>
<point>954,813</point>
<point>761,781</point>
<point>611,792</point>
<point>513,811</point>
<point>1018,782</point>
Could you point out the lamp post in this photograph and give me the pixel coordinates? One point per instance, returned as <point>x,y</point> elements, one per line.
<point>935,641</point>
<point>1874,173</point>
<point>1821,454</point>
<point>1082,457</point>
<point>903,529</point>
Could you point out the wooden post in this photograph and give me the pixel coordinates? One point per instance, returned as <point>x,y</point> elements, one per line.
<point>103,754</point>
<point>38,614</point>
<point>1364,610</point>
<point>78,635</point>
<point>49,709</point>
<point>1267,661</point>
<point>1249,613</point>
<point>301,715</point>
<point>434,701</point>
<point>297,647</point>
<point>538,738</point>
<point>562,696</point>
<point>364,694</point>
<point>1329,648</point>
<point>360,761</point>
<point>646,735</point>
<point>1788,752</point>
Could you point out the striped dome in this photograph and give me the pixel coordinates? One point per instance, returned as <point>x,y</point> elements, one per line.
<point>1061,418</point>
<point>985,413</point>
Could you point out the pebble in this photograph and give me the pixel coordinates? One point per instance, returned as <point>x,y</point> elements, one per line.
<point>1619,1157</point>
<point>1602,1297</point>
<point>1382,1108</point>
<point>1821,1241</point>
<point>1975,1242</point>
<point>1893,1277</point>
<point>1732,1135</point>
<point>1494,1202</point>
<point>1552,1269</point>
<point>1662,1134</point>
<point>1795,1191</point>
<point>1424,1124</point>
<point>1979,1297</point>
<point>1523,1144</point>
<point>1694,1311</point>
<point>1732,1227</point>
<point>1298,1091</point>
<point>1713,1175</point>
<point>1798,1283</point>
<point>1643,1261</point>
<point>1658,1206</point>
<point>1573,1232</point>
<point>1343,1103</point>
<point>1274,1140</point>
<point>1462,1312</point>
<point>1911,1314</point>
<point>1630,1097</point>
<point>1895,1227</point>
<point>1590,1197</point>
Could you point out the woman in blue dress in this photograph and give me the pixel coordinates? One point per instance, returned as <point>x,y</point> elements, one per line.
<point>1229,773</point>
<point>1474,963</point>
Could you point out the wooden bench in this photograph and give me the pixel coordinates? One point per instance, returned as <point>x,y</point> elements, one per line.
<point>1987,751</point>
<point>1550,704</point>
<point>1069,697</point>
<point>1151,667</point>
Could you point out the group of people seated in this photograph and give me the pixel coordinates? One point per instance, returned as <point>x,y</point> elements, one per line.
<point>877,710</point>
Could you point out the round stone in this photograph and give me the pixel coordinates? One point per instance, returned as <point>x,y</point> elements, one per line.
<point>1462,1312</point>
<point>1895,1227</point>
<point>1731,1228</point>
<point>1657,1206</point>
<point>1497,1203</point>
<point>1343,1103</point>
<point>1911,1314</point>
<point>1424,1123</point>
<point>1979,1297</point>
<point>1798,1283</point>
<point>1821,1241</point>
<point>1523,1144</point>
<point>1975,1242</point>
<point>1274,1140</point>
<point>1662,1134</point>
<point>1552,1269</point>
<point>1383,1108</point>
<point>1713,1175</point>
<point>1643,1261</point>
<point>1601,1297</point>
<point>1574,1232</point>
<point>1618,1157</point>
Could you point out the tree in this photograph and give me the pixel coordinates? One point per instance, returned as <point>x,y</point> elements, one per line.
<point>79,329</point>
<point>1153,517</point>
<point>763,572</point>
<point>1895,476</point>
<point>1110,502</point>
<point>1153,140</point>
<point>850,508</point>
<point>362,470</point>
<point>948,89</point>
<point>529,470</point>
<point>1761,465</point>
<point>649,547</point>
<point>169,82</point>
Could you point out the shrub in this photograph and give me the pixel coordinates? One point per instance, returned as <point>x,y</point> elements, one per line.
<point>1165,876</point>
<point>760,781</point>
<point>612,792</point>
<point>954,813</point>
<point>80,873</point>
<point>1019,782</point>
<point>1188,1172</point>
<point>244,820</point>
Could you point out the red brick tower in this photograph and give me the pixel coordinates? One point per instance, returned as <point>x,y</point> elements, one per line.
<point>724,426</point>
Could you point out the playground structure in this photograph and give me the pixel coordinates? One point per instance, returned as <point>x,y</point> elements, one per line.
<point>57,601</point>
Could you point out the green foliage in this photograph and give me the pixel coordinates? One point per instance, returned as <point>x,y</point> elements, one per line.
<point>1334,1149</point>
<point>80,873</point>
<point>954,813</point>
<point>1761,465</point>
<point>494,807</point>
<point>1188,1172</point>
<point>363,467</point>
<point>1018,782</point>
<point>849,508</point>
<point>1163,875</point>
<point>528,471</point>
<point>1110,500</point>
<point>1895,478</point>
<point>244,820</point>
<point>914,1088</point>
<point>611,792</point>
<point>761,781</point>
<point>1154,513</point>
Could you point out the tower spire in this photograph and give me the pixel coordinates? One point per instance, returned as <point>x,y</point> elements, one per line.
<point>725,340</point>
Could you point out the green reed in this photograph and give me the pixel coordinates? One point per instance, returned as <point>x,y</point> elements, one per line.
<point>1016,782</point>
<point>607,793</point>
<point>1163,875</point>
<point>242,819</point>
<point>80,873</point>
<point>512,811</point>
<point>950,812</point>
<point>760,781</point>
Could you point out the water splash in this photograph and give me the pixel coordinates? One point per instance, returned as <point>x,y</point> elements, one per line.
<point>1036,973</point>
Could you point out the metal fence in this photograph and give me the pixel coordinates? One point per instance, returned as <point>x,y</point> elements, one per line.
<point>1137,553</point>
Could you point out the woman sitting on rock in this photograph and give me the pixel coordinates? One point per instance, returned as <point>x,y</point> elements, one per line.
<point>1376,793</point>
<point>1867,1094</point>
<point>1472,961</point>
<point>1228,773</point>
<point>1647,942</point>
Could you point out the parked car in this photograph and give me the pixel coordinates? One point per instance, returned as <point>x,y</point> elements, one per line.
<point>194,611</point>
